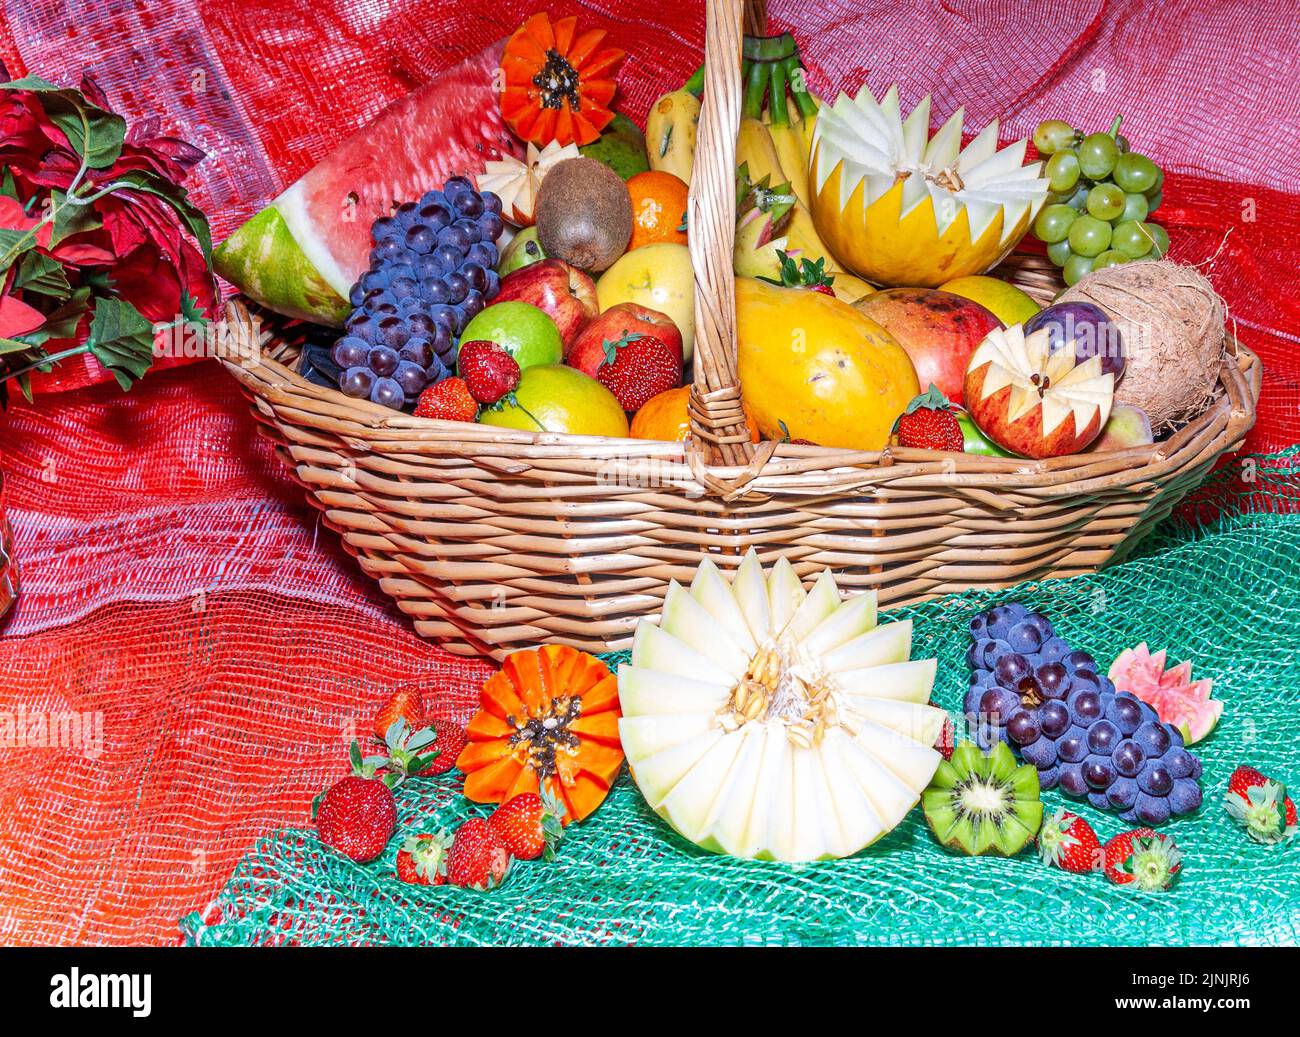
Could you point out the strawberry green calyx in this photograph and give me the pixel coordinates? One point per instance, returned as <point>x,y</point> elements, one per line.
<point>1154,863</point>
<point>611,348</point>
<point>931,399</point>
<point>1261,810</point>
<point>429,855</point>
<point>802,273</point>
<point>553,811</point>
<point>1054,838</point>
<point>409,752</point>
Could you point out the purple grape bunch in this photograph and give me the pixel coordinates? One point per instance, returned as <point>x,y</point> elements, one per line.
<point>1031,689</point>
<point>433,268</point>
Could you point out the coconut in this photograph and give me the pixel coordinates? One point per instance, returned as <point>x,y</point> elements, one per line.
<point>1172,323</point>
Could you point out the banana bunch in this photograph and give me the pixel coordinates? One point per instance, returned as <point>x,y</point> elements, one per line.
<point>779,114</point>
<point>776,91</point>
<point>774,220</point>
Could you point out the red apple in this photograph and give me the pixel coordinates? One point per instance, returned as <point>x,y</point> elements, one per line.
<point>938,329</point>
<point>587,352</point>
<point>563,292</point>
<point>1034,402</point>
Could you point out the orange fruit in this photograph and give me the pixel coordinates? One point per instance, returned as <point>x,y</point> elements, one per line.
<point>658,208</point>
<point>664,417</point>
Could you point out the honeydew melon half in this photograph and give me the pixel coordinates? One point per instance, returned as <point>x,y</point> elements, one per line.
<point>711,590</point>
<point>764,721</point>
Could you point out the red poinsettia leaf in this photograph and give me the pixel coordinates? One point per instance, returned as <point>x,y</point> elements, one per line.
<point>79,251</point>
<point>14,217</point>
<point>182,153</point>
<point>146,280</point>
<point>93,92</point>
<point>192,268</point>
<point>17,318</point>
<point>123,226</point>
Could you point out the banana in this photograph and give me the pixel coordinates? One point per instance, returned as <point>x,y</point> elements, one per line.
<point>755,149</point>
<point>791,150</point>
<point>759,239</point>
<point>670,132</point>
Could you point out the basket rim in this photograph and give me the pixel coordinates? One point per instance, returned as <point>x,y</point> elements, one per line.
<point>783,467</point>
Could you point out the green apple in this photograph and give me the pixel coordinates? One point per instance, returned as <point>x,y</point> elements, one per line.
<point>524,250</point>
<point>526,332</point>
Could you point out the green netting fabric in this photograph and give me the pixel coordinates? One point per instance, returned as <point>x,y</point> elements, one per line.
<point>1222,591</point>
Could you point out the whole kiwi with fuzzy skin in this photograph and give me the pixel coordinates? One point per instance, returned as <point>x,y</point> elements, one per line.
<point>584,214</point>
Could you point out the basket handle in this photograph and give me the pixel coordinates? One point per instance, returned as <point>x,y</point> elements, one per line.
<point>717,418</point>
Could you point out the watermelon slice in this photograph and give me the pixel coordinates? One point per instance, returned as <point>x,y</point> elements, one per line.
<point>301,254</point>
<point>1171,692</point>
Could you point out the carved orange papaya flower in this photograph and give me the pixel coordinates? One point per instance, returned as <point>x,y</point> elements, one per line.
<point>558,82</point>
<point>548,718</point>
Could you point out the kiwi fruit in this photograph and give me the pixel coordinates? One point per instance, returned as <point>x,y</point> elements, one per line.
<point>983,803</point>
<point>584,214</point>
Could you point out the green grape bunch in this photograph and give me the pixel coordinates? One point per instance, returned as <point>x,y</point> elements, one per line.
<point>1100,195</point>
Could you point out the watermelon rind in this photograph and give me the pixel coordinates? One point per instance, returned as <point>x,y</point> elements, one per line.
<point>263,258</point>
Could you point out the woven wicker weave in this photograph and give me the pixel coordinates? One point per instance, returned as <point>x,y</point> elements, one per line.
<point>494,540</point>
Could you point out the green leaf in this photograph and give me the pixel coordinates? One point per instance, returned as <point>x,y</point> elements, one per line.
<point>71,219</point>
<point>96,135</point>
<point>42,274</point>
<point>13,243</point>
<point>8,187</point>
<point>121,338</point>
<point>62,323</point>
<point>190,215</point>
<point>191,312</point>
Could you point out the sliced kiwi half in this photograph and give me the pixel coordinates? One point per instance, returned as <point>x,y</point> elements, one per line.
<point>983,803</point>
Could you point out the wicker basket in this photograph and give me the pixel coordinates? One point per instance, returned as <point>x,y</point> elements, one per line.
<point>493,540</point>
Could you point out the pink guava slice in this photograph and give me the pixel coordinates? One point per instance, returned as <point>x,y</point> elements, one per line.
<point>1176,698</point>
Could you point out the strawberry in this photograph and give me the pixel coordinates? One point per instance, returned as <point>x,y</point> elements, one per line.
<point>1260,805</point>
<point>529,825</point>
<point>357,815</point>
<point>448,744</point>
<point>408,752</point>
<point>490,372</point>
<point>929,423</point>
<point>478,859</point>
<point>637,367</point>
<point>401,705</point>
<point>785,437</point>
<point>802,274</point>
<point>943,745</point>
<point>1068,841</point>
<point>448,400</point>
<point>1144,858</point>
<point>422,860</point>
